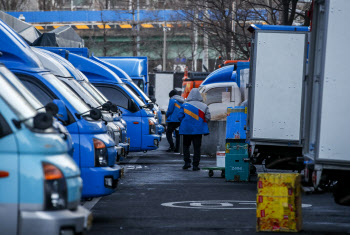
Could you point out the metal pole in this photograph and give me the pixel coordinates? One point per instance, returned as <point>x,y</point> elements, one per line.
<point>233,29</point>
<point>195,47</point>
<point>164,47</point>
<point>138,29</point>
<point>205,43</point>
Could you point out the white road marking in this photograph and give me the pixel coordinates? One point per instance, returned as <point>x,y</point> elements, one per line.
<point>134,159</point>
<point>217,205</point>
<point>90,204</point>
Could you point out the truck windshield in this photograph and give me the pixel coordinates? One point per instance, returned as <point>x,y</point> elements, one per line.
<point>139,92</point>
<point>21,88</point>
<point>139,83</point>
<point>95,93</point>
<point>16,101</point>
<point>71,97</point>
<point>133,95</point>
<point>81,92</point>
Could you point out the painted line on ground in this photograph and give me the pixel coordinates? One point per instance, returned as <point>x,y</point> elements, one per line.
<point>90,204</point>
<point>217,205</point>
<point>134,160</point>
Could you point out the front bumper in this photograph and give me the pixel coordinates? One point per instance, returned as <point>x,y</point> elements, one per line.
<point>150,142</point>
<point>119,149</point>
<point>96,180</point>
<point>53,222</point>
<point>125,147</point>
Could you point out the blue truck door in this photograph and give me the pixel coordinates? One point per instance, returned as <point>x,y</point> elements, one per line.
<point>45,96</point>
<point>9,182</point>
<point>132,117</point>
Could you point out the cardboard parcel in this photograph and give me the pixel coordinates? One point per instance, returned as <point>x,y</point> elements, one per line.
<point>279,202</point>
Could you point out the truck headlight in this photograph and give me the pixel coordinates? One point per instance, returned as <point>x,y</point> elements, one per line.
<point>152,126</point>
<point>55,188</point>
<point>101,155</point>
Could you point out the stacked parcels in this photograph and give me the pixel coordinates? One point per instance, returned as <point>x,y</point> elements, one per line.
<point>279,202</point>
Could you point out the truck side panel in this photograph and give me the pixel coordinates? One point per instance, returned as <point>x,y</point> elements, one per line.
<point>333,74</point>
<point>277,86</point>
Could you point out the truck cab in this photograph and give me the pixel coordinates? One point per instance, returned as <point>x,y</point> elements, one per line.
<point>41,180</point>
<point>221,89</point>
<point>129,82</point>
<point>121,137</point>
<point>219,96</point>
<point>94,149</point>
<point>142,128</point>
<point>64,75</point>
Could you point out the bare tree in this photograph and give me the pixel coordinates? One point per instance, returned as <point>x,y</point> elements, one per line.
<point>224,25</point>
<point>11,5</point>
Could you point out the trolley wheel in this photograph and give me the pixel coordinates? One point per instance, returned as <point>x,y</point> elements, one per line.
<point>223,174</point>
<point>211,173</point>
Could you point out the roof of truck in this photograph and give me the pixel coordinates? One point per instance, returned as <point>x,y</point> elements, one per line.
<point>254,27</point>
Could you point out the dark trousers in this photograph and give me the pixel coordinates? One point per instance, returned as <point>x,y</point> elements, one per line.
<point>169,134</point>
<point>197,142</point>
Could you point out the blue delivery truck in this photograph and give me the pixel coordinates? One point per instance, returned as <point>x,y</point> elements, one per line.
<point>94,149</point>
<point>64,75</point>
<point>136,67</point>
<point>136,89</point>
<point>137,73</point>
<point>142,126</point>
<point>81,79</point>
<point>41,181</point>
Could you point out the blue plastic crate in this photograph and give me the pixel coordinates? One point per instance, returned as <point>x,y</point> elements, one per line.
<point>236,122</point>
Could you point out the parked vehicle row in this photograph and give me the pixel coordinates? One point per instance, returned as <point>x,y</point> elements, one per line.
<point>65,123</point>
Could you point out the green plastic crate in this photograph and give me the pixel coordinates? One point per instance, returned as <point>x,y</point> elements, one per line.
<point>237,166</point>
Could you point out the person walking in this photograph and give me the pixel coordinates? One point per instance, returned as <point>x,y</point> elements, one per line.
<point>173,122</point>
<point>194,116</point>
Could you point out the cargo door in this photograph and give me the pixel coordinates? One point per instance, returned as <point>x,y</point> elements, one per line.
<point>9,182</point>
<point>164,83</point>
<point>276,86</point>
<point>331,71</point>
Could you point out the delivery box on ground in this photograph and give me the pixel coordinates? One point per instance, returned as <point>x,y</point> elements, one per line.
<point>279,202</point>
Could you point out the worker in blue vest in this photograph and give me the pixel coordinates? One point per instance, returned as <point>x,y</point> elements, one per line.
<point>194,116</point>
<point>173,121</point>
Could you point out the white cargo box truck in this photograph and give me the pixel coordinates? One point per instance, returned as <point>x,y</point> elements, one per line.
<point>275,107</point>
<point>327,126</point>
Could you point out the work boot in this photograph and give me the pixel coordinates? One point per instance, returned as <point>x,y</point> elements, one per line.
<point>196,168</point>
<point>170,149</point>
<point>186,166</point>
<point>176,150</point>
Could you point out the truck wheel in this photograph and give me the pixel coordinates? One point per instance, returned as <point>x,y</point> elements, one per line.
<point>341,193</point>
<point>223,174</point>
<point>211,173</point>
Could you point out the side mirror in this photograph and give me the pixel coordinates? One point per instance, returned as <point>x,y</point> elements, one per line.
<point>150,105</point>
<point>62,114</point>
<point>107,106</point>
<point>153,99</point>
<point>114,108</point>
<point>95,114</point>
<point>51,108</point>
<point>132,107</point>
<point>42,121</point>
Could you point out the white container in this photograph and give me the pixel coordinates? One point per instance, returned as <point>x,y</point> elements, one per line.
<point>220,158</point>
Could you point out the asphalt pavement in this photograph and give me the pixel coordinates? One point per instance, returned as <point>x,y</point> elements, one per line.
<point>157,197</point>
